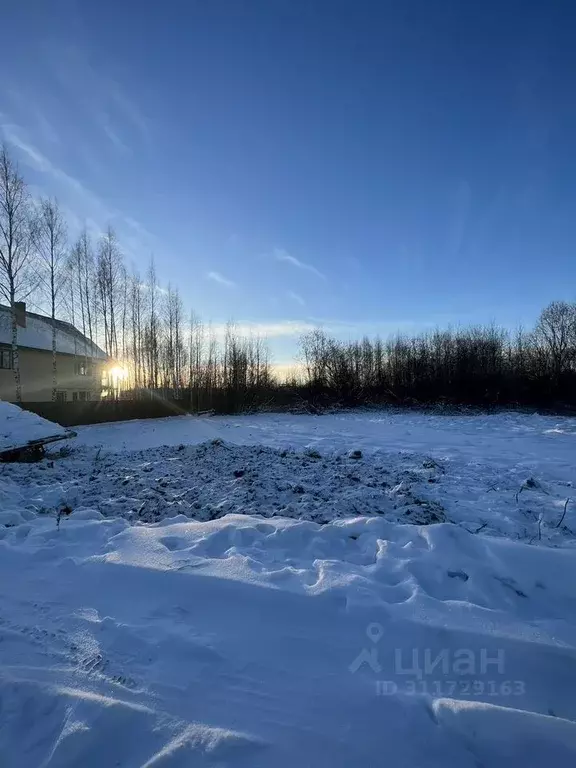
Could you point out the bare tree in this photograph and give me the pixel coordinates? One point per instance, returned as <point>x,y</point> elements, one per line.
<point>108,276</point>
<point>16,277</point>
<point>123,300</point>
<point>175,352</point>
<point>196,349</point>
<point>50,244</point>
<point>153,329</point>
<point>556,332</point>
<point>211,379</point>
<point>136,335</point>
<point>169,352</point>
<point>82,263</point>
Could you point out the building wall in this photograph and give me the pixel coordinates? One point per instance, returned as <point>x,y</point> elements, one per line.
<point>36,377</point>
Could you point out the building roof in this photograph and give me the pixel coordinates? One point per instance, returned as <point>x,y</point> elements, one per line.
<point>38,335</point>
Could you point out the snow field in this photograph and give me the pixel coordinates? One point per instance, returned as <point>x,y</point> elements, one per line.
<point>245,592</point>
<point>477,484</point>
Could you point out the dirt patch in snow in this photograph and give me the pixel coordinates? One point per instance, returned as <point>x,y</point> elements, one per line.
<point>213,479</point>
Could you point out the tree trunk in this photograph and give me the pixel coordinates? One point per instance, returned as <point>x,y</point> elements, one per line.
<point>53,308</point>
<point>16,356</point>
<point>54,364</point>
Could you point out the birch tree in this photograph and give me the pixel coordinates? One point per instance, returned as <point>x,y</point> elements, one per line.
<point>153,328</point>
<point>16,276</point>
<point>108,275</point>
<point>124,309</point>
<point>175,349</point>
<point>136,333</point>
<point>83,283</point>
<point>50,245</point>
<point>196,343</point>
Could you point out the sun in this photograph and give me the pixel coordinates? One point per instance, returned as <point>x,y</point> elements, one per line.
<point>118,374</point>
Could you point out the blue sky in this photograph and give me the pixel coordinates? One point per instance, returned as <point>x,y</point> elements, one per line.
<point>370,166</point>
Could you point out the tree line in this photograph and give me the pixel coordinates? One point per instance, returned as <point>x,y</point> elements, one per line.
<point>476,366</point>
<point>140,325</point>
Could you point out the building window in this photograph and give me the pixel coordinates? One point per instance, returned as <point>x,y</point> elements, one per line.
<point>81,369</point>
<point>6,359</point>
<point>61,397</point>
<point>80,396</point>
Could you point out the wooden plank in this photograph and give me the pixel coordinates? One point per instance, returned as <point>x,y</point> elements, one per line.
<point>16,451</point>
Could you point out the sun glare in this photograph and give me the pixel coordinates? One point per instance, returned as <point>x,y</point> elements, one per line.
<point>118,374</point>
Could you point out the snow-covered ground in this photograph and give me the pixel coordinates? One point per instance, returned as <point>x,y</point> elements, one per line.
<point>292,591</point>
<point>502,473</point>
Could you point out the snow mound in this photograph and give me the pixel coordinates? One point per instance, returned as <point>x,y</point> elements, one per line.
<point>247,642</point>
<point>17,426</point>
<point>61,726</point>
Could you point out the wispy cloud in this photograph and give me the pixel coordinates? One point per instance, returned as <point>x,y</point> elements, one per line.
<point>218,278</point>
<point>282,255</point>
<point>129,109</point>
<point>28,105</point>
<point>81,206</point>
<point>37,160</point>
<point>112,135</point>
<point>277,329</point>
<point>340,329</point>
<point>101,95</point>
<point>139,228</point>
<point>352,329</point>
<point>296,297</point>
